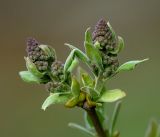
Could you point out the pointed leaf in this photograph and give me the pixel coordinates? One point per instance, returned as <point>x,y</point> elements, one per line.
<point>56,98</point>
<point>112,95</point>
<point>94,55</point>
<point>86,79</point>
<point>32,68</point>
<point>72,102</point>
<point>75,53</point>
<point>74,64</point>
<point>114,117</point>
<point>130,65</point>
<point>83,129</point>
<point>88,36</point>
<point>75,87</point>
<point>29,77</point>
<point>152,130</point>
<point>111,29</point>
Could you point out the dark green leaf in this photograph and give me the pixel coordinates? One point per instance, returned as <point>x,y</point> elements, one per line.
<point>56,98</point>
<point>130,65</point>
<point>112,95</point>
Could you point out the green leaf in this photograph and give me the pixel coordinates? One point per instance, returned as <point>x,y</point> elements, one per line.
<point>29,77</point>
<point>88,36</point>
<point>32,68</point>
<point>72,102</point>
<point>74,64</point>
<point>83,129</point>
<point>130,65</point>
<point>101,114</point>
<point>94,55</point>
<point>56,98</point>
<point>120,46</point>
<point>111,95</point>
<point>97,45</point>
<point>111,29</point>
<point>49,51</point>
<point>153,129</point>
<point>86,79</point>
<point>114,117</point>
<point>91,91</point>
<point>75,87</point>
<point>88,121</point>
<point>75,53</point>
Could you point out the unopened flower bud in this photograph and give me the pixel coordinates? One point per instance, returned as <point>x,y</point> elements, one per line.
<point>41,55</point>
<point>53,87</point>
<point>57,70</point>
<point>104,35</point>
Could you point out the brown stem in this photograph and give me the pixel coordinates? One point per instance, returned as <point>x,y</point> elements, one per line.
<point>98,127</point>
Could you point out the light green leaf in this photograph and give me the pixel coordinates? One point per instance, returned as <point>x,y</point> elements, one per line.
<point>153,129</point>
<point>130,65</point>
<point>94,55</point>
<point>114,117</point>
<point>32,68</point>
<point>74,64</point>
<point>56,98</point>
<point>97,45</point>
<point>49,51</point>
<point>120,46</point>
<point>75,87</point>
<point>29,77</point>
<point>83,129</point>
<point>86,79</point>
<point>88,36</point>
<point>75,53</point>
<point>111,95</point>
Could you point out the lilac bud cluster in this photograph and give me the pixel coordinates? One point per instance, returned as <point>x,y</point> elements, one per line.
<point>38,56</point>
<point>104,35</point>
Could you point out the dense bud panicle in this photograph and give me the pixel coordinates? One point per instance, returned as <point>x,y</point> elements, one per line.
<point>105,37</point>
<point>54,86</point>
<point>57,70</point>
<point>37,55</point>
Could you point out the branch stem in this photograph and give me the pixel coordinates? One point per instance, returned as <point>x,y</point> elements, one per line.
<point>94,117</point>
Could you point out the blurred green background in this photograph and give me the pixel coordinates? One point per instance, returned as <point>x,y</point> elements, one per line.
<point>55,22</point>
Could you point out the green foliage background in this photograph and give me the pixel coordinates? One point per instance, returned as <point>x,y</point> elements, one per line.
<point>56,22</point>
